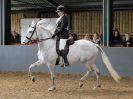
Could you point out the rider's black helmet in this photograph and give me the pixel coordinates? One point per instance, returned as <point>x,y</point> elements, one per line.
<point>61,8</point>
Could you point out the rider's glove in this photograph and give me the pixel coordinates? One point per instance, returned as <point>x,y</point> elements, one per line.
<point>53,36</point>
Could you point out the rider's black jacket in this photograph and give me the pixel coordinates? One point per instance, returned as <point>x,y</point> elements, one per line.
<point>61,29</point>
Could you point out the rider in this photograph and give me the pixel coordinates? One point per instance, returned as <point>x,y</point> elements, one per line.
<point>62,31</point>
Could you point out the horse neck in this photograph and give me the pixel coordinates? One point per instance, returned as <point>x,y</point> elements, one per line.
<point>43,33</point>
<point>46,44</point>
<point>50,26</point>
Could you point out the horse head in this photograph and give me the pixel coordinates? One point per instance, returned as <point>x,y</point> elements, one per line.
<point>37,31</point>
<point>30,35</point>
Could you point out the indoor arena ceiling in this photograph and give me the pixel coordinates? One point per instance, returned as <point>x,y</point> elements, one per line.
<point>50,5</point>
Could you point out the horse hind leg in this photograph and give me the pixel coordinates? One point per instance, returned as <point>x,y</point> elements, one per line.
<point>38,63</point>
<point>91,68</point>
<point>81,83</point>
<point>97,74</point>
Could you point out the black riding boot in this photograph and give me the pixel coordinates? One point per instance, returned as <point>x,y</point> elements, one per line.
<point>64,55</point>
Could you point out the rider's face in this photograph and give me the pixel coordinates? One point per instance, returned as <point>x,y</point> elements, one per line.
<point>60,13</point>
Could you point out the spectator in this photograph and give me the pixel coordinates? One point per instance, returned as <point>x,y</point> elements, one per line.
<point>13,38</point>
<point>128,41</point>
<point>74,35</point>
<point>96,38</point>
<point>116,38</point>
<point>86,37</point>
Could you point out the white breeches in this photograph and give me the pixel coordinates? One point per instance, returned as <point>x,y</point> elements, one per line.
<point>62,44</point>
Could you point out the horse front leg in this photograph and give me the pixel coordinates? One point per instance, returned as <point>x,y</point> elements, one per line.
<point>51,69</point>
<point>38,63</point>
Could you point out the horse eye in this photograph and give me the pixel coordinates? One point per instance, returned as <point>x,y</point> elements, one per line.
<point>30,31</point>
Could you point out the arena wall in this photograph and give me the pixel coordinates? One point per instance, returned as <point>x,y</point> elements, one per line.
<point>18,58</point>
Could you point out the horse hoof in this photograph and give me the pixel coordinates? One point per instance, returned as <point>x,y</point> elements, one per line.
<point>99,86</point>
<point>33,79</point>
<point>52,89</point>
<point>81,84</point>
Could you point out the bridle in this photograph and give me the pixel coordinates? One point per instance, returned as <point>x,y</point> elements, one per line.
<point>29,38</point>
<point>34,31</point>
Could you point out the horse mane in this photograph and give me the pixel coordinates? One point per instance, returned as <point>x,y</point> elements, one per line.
<point>45,29</point>
<point>50,28</point>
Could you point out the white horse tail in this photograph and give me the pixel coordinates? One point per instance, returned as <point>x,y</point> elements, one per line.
<point>108,64</point>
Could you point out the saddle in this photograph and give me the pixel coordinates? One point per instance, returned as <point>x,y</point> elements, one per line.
<point>68,43</point>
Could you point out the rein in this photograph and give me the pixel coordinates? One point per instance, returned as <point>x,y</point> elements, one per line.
<point>41,40</point>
